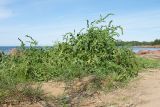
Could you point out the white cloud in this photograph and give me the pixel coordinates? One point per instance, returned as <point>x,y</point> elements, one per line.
<point>3,2</point>
<point>5,12</point>
<point>142,25</point>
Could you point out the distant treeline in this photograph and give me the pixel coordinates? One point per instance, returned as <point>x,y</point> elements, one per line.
<point>137,43</point>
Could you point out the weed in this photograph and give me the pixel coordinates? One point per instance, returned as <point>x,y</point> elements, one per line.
<point>92,51</point>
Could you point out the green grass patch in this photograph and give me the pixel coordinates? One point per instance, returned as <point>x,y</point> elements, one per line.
<point>148,63</point>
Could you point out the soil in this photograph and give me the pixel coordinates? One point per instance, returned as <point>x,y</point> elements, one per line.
<point>151,56</point>
<point>141,92</point>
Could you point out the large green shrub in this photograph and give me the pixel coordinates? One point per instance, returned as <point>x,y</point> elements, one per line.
<point>93,50</point>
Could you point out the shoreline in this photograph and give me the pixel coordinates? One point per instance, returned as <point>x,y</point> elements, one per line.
<point>148,46</point>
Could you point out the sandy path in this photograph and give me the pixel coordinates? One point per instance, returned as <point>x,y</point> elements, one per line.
<point>142,92</point>
<point>149,86</point>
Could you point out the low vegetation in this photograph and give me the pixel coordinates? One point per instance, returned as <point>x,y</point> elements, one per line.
<point>146,63</point>
<point>92,51</point>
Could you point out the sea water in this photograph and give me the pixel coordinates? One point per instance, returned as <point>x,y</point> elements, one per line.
<point>6,49</point>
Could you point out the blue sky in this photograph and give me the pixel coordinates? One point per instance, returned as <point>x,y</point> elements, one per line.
<point>48,20</point>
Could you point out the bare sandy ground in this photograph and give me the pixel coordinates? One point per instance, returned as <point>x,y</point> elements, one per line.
<point>141,92</point>
<point>151,56</point>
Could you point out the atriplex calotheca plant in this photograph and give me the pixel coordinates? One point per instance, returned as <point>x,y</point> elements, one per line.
<point>92,51</point>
